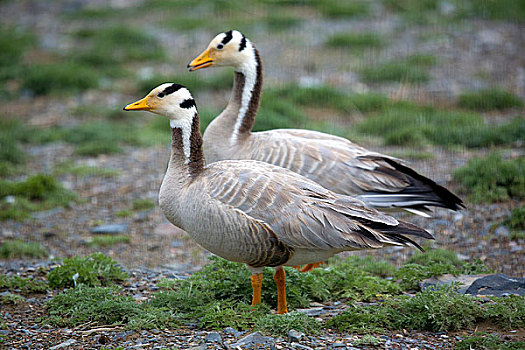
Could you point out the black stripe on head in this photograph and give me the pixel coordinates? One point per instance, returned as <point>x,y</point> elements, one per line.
<point>188,103</point>
<point>172,88</point>
<point>242,46</point>
<point>227,38</point>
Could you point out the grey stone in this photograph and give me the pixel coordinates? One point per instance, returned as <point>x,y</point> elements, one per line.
<point>4,331</point>
<point>232,331</point>
<point>464,280</point>
<point>497,285</point>
<point>213,337</point>
<point>63,345</point>
<point>502,231</point>
<point>111,229</point>
<point>254,339</point>
<point>313,311</point>
<point>200,347</point>
<point>295,335</point>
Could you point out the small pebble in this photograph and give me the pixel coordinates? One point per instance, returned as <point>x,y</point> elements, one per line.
<point>213,337</point>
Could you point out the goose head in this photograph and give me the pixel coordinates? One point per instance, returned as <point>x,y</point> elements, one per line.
<point>228,49</point>
<point>171,100</point>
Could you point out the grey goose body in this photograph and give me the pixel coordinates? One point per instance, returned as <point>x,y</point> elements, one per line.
<point>254,212</point>
<point>336,163</point>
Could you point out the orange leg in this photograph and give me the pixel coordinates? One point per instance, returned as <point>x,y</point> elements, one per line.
<point>256,287</point>
<point>310,267</point>
<point>280,280</point>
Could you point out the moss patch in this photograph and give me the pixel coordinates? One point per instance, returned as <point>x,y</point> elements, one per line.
<point>38,192</point>
<point>93,270</point>
<point>487,100</point>
<point>18,249</point>
<point>492,179</point>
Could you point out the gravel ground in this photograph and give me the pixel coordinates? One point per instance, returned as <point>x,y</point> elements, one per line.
<point>472,54</point>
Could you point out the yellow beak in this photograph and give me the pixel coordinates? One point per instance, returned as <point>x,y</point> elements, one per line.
<point>202,61</point>
<point>140,105</point>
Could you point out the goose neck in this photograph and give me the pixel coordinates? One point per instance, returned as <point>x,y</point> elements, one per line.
<point>186,146</point>
<point>246,95</point>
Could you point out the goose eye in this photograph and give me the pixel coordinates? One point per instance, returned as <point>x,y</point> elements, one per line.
<point>220,46</point>
<point>161,95</point>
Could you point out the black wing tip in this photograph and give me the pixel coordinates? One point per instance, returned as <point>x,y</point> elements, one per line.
<point>439,196</point>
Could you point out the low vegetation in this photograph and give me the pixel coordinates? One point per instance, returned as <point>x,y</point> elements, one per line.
<point>38,192</point>
<point>488,342</point>
<point>195,82</point>
<point>411,69</point>
<point>14,43</point>
<point>219,296</point>
<point>12,156</point>
<point>108,48</point>
<point>18,249</point>
<point>342,9</point>
<point>81,170</point>
<point>429,11</point>
<point>59,78</point>
<point>405,124</point>
<point>488,100</point>
<point>492,178</point>
<point>355,41</point>
<point>22,285</point>
<point>142,204</point>
<point>516,223</point>
<point>108,240</point>
<point>432,310</point>
<point>91,271</point>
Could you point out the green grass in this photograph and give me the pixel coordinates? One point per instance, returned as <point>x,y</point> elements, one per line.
<point>488,100</point>
<point>38,192</point>
<point>323,97</point>
<point>14,43</point>
<point>342,9</point>
<point>509,10</point>
<point>109,47</point>
<point>492,179</point>
<point>277,21</point>
<point>425,11</point>
<point>94,111</point>
<point>195,81</point>
<point>480,341</point>
<point>95,138</point>
<point>409,125</point>
<point>92,271</point>
<point>22,285</point>
<point>430,310</point>
<point>59,78</point>
<point>11,299</point>
<point>12,157</point>
<point>219,296</point>
<point>68,167</point>
<point>516,220</point>
<point>355,41</point>
<point>411,69</point>
<point>124,213</point>
<point>96,305</point>
<point>18,249</point>
<point>142,204</point>
<point>108,240</point>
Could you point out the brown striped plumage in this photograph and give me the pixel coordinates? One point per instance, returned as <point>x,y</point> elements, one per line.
<point>334,162</point>
<point>258,213</point>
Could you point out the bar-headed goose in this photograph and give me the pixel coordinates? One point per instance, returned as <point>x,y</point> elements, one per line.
<point>258,213</point>
<point>333,162</point>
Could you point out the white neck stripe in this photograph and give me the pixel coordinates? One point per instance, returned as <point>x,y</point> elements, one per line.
<point>249,70</point>
<point>185,125</point>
